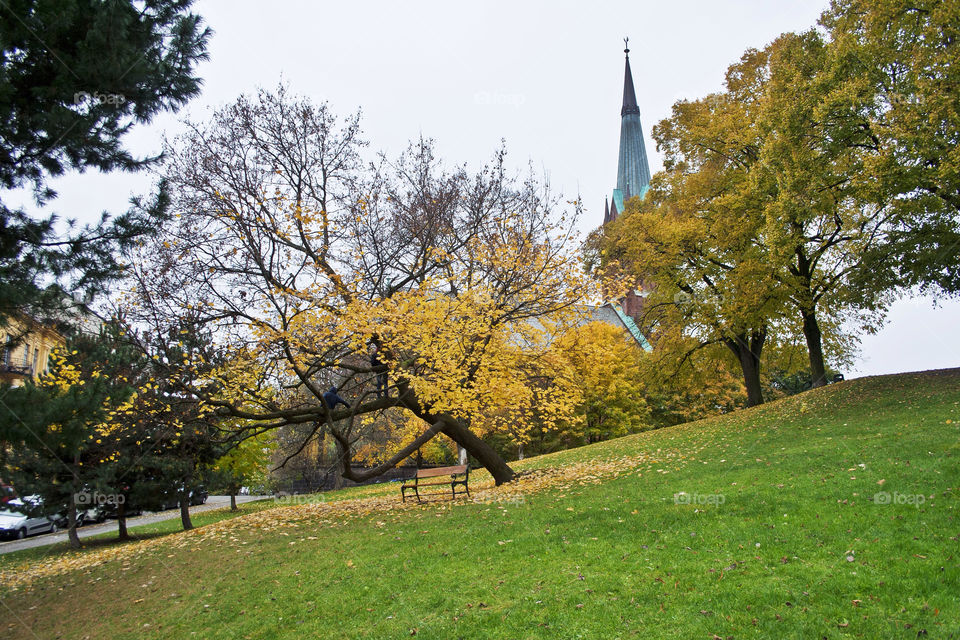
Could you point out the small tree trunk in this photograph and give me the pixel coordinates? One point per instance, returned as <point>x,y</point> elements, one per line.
<point>520,451</point>
<point>811,331</point>
<point>185,511</point>
<point>72,522</point>
<point>122,521</point>
<point>233,497</point>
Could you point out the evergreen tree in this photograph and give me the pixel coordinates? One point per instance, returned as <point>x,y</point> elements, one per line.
<point>75,76</point>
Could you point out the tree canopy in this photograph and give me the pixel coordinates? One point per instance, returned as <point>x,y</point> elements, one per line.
<point>299,258</point>
<point>75,77</point>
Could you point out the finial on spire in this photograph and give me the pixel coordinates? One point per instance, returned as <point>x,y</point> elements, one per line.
<point>626,44</point>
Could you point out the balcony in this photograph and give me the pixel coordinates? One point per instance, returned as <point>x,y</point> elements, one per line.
<point>22,370</point>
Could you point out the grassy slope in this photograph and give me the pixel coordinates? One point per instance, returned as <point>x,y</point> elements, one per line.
<point>798,548</point>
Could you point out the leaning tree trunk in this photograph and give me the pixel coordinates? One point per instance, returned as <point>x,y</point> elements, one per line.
<point>484,453</point>
<point>447,425</point>
<point>811,331</point>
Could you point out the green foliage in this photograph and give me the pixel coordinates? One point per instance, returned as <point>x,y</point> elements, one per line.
<point>75,77</point>
<point>899,71</point>
<point>246,463</point>
<point>56,437</point>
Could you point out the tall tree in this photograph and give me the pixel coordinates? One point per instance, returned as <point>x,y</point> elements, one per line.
<point>297,258</point>
<point>75,77</point>
<point>694,239</point>
<point>898,69</point>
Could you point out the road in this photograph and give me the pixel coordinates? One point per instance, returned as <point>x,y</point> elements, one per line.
<point>213,502</point>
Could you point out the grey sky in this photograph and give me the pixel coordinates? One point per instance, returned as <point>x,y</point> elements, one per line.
<point>545,76</point>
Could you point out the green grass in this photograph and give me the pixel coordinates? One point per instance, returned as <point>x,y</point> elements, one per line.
<point>785,536</point>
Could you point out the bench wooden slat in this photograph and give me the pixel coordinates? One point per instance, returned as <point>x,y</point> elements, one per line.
<point>441,471</point>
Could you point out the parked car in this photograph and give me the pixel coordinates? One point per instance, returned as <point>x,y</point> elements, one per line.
<point>199,495</point>
<point>195,496</point>
<point>95,514</point>
<point>16,523</point>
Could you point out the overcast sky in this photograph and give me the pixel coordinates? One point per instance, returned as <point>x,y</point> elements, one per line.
<point>545,76</point>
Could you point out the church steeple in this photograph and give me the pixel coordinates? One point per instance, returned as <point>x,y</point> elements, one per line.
<point>629,95</point>
<point>633,170</point>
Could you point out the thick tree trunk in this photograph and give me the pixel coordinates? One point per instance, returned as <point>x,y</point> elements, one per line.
<point>122,521</point>
<point>441,423</point>
<point>185,511</point>
<point>748,350</point>
<point>484,453</point>
<point>811,331</point>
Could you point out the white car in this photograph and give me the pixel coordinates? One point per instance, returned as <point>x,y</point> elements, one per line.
<point>16,524</point>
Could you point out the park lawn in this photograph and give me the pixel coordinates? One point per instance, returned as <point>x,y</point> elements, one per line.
<point>828,514</point>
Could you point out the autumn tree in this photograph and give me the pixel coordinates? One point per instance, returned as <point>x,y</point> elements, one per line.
<point>897,72</point>
<point>606,369</point>
<point>767,211</point>
<point>692,240</point>
<point>297,257</point>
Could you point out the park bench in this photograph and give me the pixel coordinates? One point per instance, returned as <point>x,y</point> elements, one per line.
<point>458,475</point>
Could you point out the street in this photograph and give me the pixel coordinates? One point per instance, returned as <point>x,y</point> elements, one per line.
<point>213,502</point>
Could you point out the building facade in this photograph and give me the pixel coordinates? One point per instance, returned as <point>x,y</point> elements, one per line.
<point>26,356</point>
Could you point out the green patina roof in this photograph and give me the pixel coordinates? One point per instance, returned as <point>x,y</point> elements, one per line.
<point>633,170</point>
<point>632,328</point>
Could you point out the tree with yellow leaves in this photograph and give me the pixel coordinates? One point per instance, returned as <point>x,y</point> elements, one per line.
<point>66,436</point>
<point>297,258</point>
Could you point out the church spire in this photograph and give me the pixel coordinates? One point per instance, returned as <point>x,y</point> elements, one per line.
<point>629,95</point>
<point>633,170</point>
